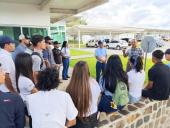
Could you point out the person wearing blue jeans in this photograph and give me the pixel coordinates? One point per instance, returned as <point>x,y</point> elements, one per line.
<point>66,62</point>
<point>65,51</point>
<point>99,69</point>
<point>101,56</point>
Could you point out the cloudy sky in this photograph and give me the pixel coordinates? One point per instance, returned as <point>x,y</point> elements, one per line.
<point>137,13</point>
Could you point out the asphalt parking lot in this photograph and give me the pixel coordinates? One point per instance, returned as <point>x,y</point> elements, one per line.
<point>119,52</point>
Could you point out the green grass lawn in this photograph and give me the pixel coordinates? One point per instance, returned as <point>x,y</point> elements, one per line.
<point>92,65</point>
<point>74,52</point>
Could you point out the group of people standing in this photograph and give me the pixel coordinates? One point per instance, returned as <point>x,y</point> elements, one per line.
<point>34,62</point>
<point>36,78</point>
<point>120,87</point>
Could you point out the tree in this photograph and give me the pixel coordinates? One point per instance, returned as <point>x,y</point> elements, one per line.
<point>75,20</point>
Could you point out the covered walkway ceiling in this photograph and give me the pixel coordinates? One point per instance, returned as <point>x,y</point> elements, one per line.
<point>101,30</point>
<point>60,9</point>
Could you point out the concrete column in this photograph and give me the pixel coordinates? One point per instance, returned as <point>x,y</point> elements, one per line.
<point>110,36</point>
<point>79,37</point>
<point>48,31</point>
<point>21,30</point>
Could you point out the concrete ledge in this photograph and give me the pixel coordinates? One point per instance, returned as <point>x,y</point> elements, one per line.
<point>145,114</point>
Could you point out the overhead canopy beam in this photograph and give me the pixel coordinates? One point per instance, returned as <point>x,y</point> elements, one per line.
<point>44,3</point>
<point>91,5</point>
<point>63,11</point>
<point>53,20</point>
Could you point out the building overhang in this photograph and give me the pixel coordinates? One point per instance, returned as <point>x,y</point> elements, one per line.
<point>103,30</point>
<point>60,9</point>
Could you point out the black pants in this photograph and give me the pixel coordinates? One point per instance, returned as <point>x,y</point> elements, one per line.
<point>87,122</point>
<point>30,119</point>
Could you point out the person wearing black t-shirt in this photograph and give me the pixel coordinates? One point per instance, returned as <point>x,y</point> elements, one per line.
<point>158,87</point>
<point>57,54</point>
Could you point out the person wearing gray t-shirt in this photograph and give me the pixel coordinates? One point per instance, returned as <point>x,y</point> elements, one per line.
<point>133,51</point>
<point>37,56</point>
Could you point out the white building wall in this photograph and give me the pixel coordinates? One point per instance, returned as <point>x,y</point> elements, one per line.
<point>23,15</point>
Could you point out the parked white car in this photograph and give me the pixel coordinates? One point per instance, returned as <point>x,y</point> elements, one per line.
<point>117,44</point>
<point>159,42</point>
<point>92,43</point>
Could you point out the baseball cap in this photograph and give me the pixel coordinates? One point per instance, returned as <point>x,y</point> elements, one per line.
<point>22,36</point>
<point>48,38</point>
<point>56,42</point>
<point>167,51</point>
<point>6,40</point>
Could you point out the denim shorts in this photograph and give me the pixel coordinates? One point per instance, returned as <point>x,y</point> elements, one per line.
<point>133,99</point>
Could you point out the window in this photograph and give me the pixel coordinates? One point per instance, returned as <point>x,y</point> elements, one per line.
<point>33,31</point>
<point>114,41</point>
<point>58,33</point>
<point>12,32</point>
<point>61,28</point>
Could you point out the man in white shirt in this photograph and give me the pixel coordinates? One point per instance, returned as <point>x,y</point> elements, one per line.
<point>7,45</point>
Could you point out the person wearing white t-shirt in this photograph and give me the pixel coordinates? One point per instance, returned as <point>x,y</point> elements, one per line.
<point>136,79</point>
<point>6,47</point>
<point>24,78</point>
<point>85,93</point>
<point>24,75</point>
<point>49,107</point>
<point>65,52</point>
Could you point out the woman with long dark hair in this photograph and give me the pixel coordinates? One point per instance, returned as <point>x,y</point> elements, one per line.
<point>113,76</point>
<point>49,107</point>
<point>84,92</point>
<point>24,77</point>
<point>136,79</point>
<point>65,52</point>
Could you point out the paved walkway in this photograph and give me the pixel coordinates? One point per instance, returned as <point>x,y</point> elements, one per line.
<point>65,83</point>
<point>81,57</point>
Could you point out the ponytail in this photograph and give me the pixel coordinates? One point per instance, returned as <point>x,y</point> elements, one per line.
<point>137,63</point>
